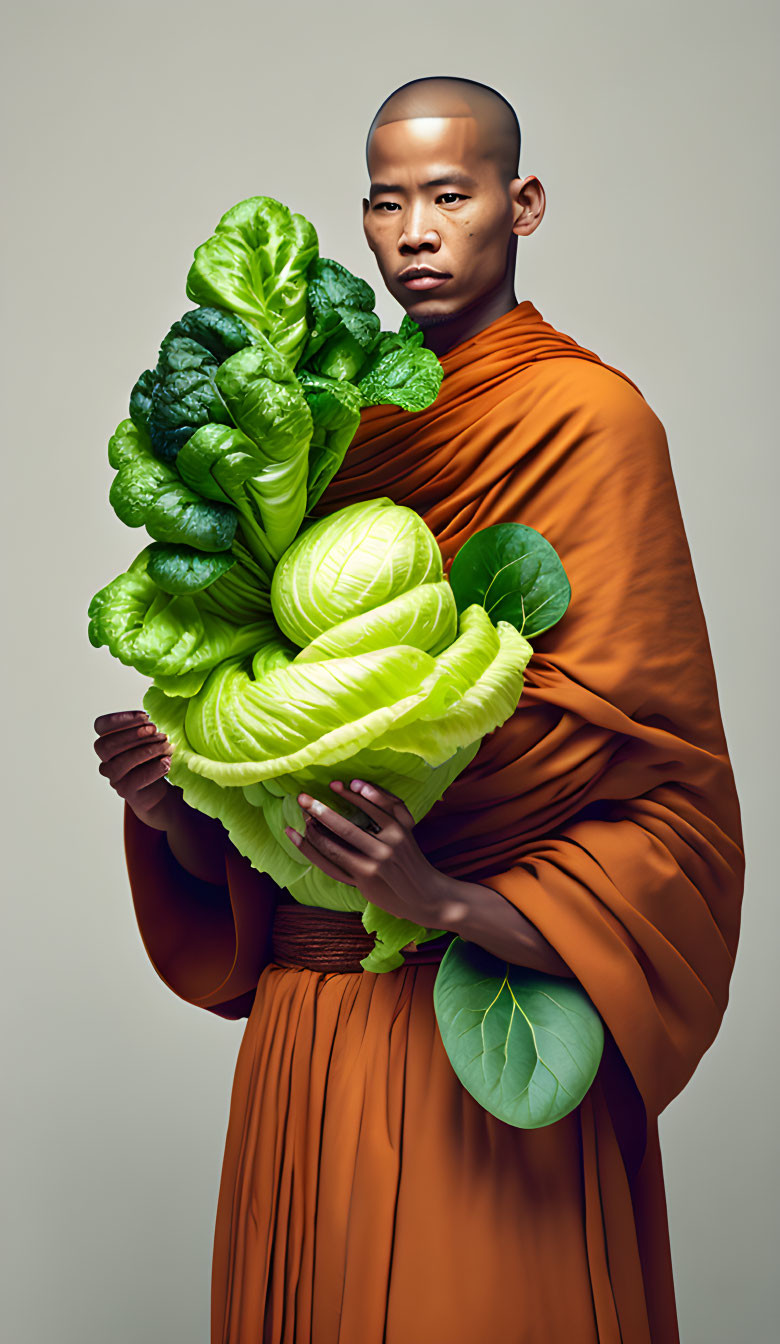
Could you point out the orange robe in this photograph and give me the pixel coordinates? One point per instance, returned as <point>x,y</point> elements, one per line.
<point>366,1198</point>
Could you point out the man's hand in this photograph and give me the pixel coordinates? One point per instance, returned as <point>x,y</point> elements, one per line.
<point>135,758</point>
<point>390,870</point>
<point>386,865</point>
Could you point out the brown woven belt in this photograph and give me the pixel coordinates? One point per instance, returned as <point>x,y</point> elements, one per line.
<point>310,937</point>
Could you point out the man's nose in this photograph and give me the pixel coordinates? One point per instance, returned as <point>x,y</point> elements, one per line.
<point>418,230</point>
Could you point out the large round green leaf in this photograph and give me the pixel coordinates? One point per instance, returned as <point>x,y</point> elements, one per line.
<point>515,574</point>
<point>525,1045</point>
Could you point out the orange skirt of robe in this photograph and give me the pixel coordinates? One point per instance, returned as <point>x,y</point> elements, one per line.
<point>365,1197</point>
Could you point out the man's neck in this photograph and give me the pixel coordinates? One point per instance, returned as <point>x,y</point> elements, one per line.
<point>440,335</point>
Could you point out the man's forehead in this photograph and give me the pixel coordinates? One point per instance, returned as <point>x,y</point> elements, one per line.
<point>436,146</point>
<point>424,130</point>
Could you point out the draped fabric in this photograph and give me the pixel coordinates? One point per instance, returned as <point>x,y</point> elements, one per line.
<point>365,1197</point>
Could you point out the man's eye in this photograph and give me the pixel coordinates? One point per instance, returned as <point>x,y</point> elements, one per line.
<point>445,196</point>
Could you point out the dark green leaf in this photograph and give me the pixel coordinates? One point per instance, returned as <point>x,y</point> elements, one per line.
<point>405,375</point>
<point>172,400</point>
<point>185,395</point>
<point>220,332</point>
<point>515,574</point>
<point>341,356</point>
<point>526,1046</point>
<point>331,286</point>
<point>342,324</point>
<point>141,399</point>
<point>180,569</point>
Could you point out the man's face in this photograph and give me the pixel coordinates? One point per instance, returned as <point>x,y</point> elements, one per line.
<point>462,225</point>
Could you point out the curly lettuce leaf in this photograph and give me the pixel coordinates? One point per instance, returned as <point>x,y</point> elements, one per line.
<point>485,664</point>
<point>255,264</point>
<point>264,397</point>
<point>147,492</point>
<point>176,638</point>
<point>241,730</point>
<point>401,372</point>
<point>299,715</point>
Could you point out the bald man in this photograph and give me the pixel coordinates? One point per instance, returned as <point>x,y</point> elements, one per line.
<point>365,1197</point>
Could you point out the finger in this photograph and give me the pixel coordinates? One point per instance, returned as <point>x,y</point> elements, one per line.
<point>378,803</point>
<point>342,826</point>
<point>304,844</point>
<point>120,766</point>
<point>121,718</point>
<point>110,744</point>
<point>138,779</point>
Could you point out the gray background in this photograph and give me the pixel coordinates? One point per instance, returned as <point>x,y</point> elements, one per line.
<point>129,130</point>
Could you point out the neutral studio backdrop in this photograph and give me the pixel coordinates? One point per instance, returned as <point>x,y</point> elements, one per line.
<point>129,130</point>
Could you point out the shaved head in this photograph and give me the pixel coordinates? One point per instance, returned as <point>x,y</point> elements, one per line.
<point>448,96</point>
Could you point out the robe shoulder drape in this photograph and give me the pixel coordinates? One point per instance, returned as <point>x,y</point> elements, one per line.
<point>365,1196</point>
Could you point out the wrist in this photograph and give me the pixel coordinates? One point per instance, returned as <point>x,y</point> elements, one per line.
<point>480,915</point>
<point>165,812</point>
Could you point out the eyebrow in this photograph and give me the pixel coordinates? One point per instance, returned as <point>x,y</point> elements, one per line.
<point>460,179</point>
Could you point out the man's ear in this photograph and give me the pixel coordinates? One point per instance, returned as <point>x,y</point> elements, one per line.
<point>366,228</point>
<point>528,201</point>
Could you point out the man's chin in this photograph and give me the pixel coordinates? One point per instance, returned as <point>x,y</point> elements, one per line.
<point>433,317</point>
<point>436,316</point>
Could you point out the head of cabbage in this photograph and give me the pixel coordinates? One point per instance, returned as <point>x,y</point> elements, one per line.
<point>368,669</point>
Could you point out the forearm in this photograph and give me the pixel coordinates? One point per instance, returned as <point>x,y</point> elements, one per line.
<point>482,916</point>
<point>196,841</point>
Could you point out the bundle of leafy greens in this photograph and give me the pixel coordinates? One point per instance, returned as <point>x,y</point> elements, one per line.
<point>286,651</point>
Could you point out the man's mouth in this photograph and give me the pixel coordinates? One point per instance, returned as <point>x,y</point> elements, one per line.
<point>423,277</point>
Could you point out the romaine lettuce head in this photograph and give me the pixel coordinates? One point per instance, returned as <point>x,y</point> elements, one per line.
<point>350,562</point>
